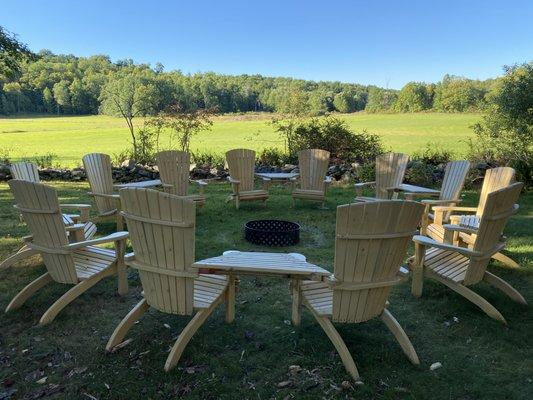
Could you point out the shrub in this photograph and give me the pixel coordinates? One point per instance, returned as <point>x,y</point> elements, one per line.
<point>45,161</point>
<point>118,158</point>
<point>419,173</point>
<point>332,134</point>
<point>366,172</point>
<point>505,135</point>
<point>208,158</point>
<point>5,155</point>
<point>273,156</point>
<point>433,154</point>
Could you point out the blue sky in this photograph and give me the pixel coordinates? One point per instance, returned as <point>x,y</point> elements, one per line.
<point>386,43</point>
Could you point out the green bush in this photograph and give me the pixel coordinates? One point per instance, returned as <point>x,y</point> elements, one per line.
<point>332,134</point>
<point>433,154</point>
<point>45,161</point>
<point>274,157</point>
<point>366,172</point>
<point>419,173</point>
<point>208,158</point>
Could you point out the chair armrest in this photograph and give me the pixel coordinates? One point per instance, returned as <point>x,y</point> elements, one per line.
<point>76,206</point>
<point>109,196</point>
<point>425,241</point>
<point>364,184</point>
<point>114,237</point>
<point>454,208</point>
<point>167,185</point>
<point>233,181</point>
<point>458,228</point>
<point>84,210</point>
<point>439,201</point>
<point>361,185</point>
<point>75,227</point>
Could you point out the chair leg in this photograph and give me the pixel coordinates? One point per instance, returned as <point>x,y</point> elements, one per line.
<point>475,298</point>
<point>400,336</point>
<point>237,202</point>
<point>230,299</point>
<point>188,332</point>
<point>28,291</point>
<point>72,294</point>
<point>505,260</point>
<point>24,252</point>
<point>120,221</point>
<point>340,346</point>
<point>125,325</point>
<point>506,288</point>
<point>296,301</point>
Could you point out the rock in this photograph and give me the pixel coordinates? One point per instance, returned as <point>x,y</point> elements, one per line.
<point>435,366</point>
<point>128,163</point>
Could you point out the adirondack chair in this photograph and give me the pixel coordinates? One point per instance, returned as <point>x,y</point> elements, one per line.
<point>313,182</point>
<point>370,245</point>
<point>162,230</point>
<point>452,185</point>
<point>390,170</point>
<point>28,172</point>
<point>495,178</point>
<point>459,267</point>
<point>98,170</point>
<point>174,167</point>
<point>241,164</point>
<point>81,264</point>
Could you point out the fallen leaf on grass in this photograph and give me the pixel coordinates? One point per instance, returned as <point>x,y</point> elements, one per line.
<point>42,380</point>
<point>284,384</point>
<point>435,366</point>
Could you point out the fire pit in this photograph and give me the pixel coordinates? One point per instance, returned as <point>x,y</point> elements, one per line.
<point>272,232</point>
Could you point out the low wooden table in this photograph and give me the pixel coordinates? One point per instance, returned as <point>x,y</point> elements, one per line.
<point>277,176</point>
<point>142,184</point>
<point>291,265</point>
<point>412,190</point>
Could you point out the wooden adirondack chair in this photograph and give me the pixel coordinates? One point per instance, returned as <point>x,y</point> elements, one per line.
<point>495,178</point>
<point>459,267</point>
<point>452,185</point>
<point>162,230</point>
<point>98,170</point>
<point>174,167</point>
<point>80,263</point>
<point>313,182</point>
<point>241,164</point>
<point>27,171</point>
<point>390,170</point>
<point>370,245</point>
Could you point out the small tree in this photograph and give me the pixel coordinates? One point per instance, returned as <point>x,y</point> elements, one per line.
<point>505,134</point>
<point>129,94</point>
<point>185,124</point>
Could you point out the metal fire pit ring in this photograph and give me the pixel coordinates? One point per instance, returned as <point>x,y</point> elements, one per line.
<point>272,232</point>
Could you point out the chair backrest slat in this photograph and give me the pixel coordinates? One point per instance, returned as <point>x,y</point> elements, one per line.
<point>241,164</point>
<point>370,246</point>
<point>39,207</point>
<point>495,178</point>
<point>453,182</point>
<point>162,229</point>
<point>25,171</point>
<point>313,165</point>
<point>499,206</point>
<point>174,170</point>
<point>390,170</point>
<point>99,173</point>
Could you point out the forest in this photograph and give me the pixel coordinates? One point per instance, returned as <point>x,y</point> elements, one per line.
<point>70,85</point>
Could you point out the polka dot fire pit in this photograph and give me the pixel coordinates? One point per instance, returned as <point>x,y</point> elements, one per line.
<point>272,232</point>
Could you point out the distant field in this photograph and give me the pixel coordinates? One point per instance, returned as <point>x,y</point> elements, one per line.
<point>72,137</point>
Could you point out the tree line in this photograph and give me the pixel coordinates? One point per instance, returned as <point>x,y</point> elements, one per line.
<point>66,84</point>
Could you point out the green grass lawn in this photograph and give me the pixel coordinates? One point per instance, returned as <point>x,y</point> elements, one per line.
<point>72,137</point>
<point>481,358</point>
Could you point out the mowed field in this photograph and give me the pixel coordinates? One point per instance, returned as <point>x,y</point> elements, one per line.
<point>69,138</point>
